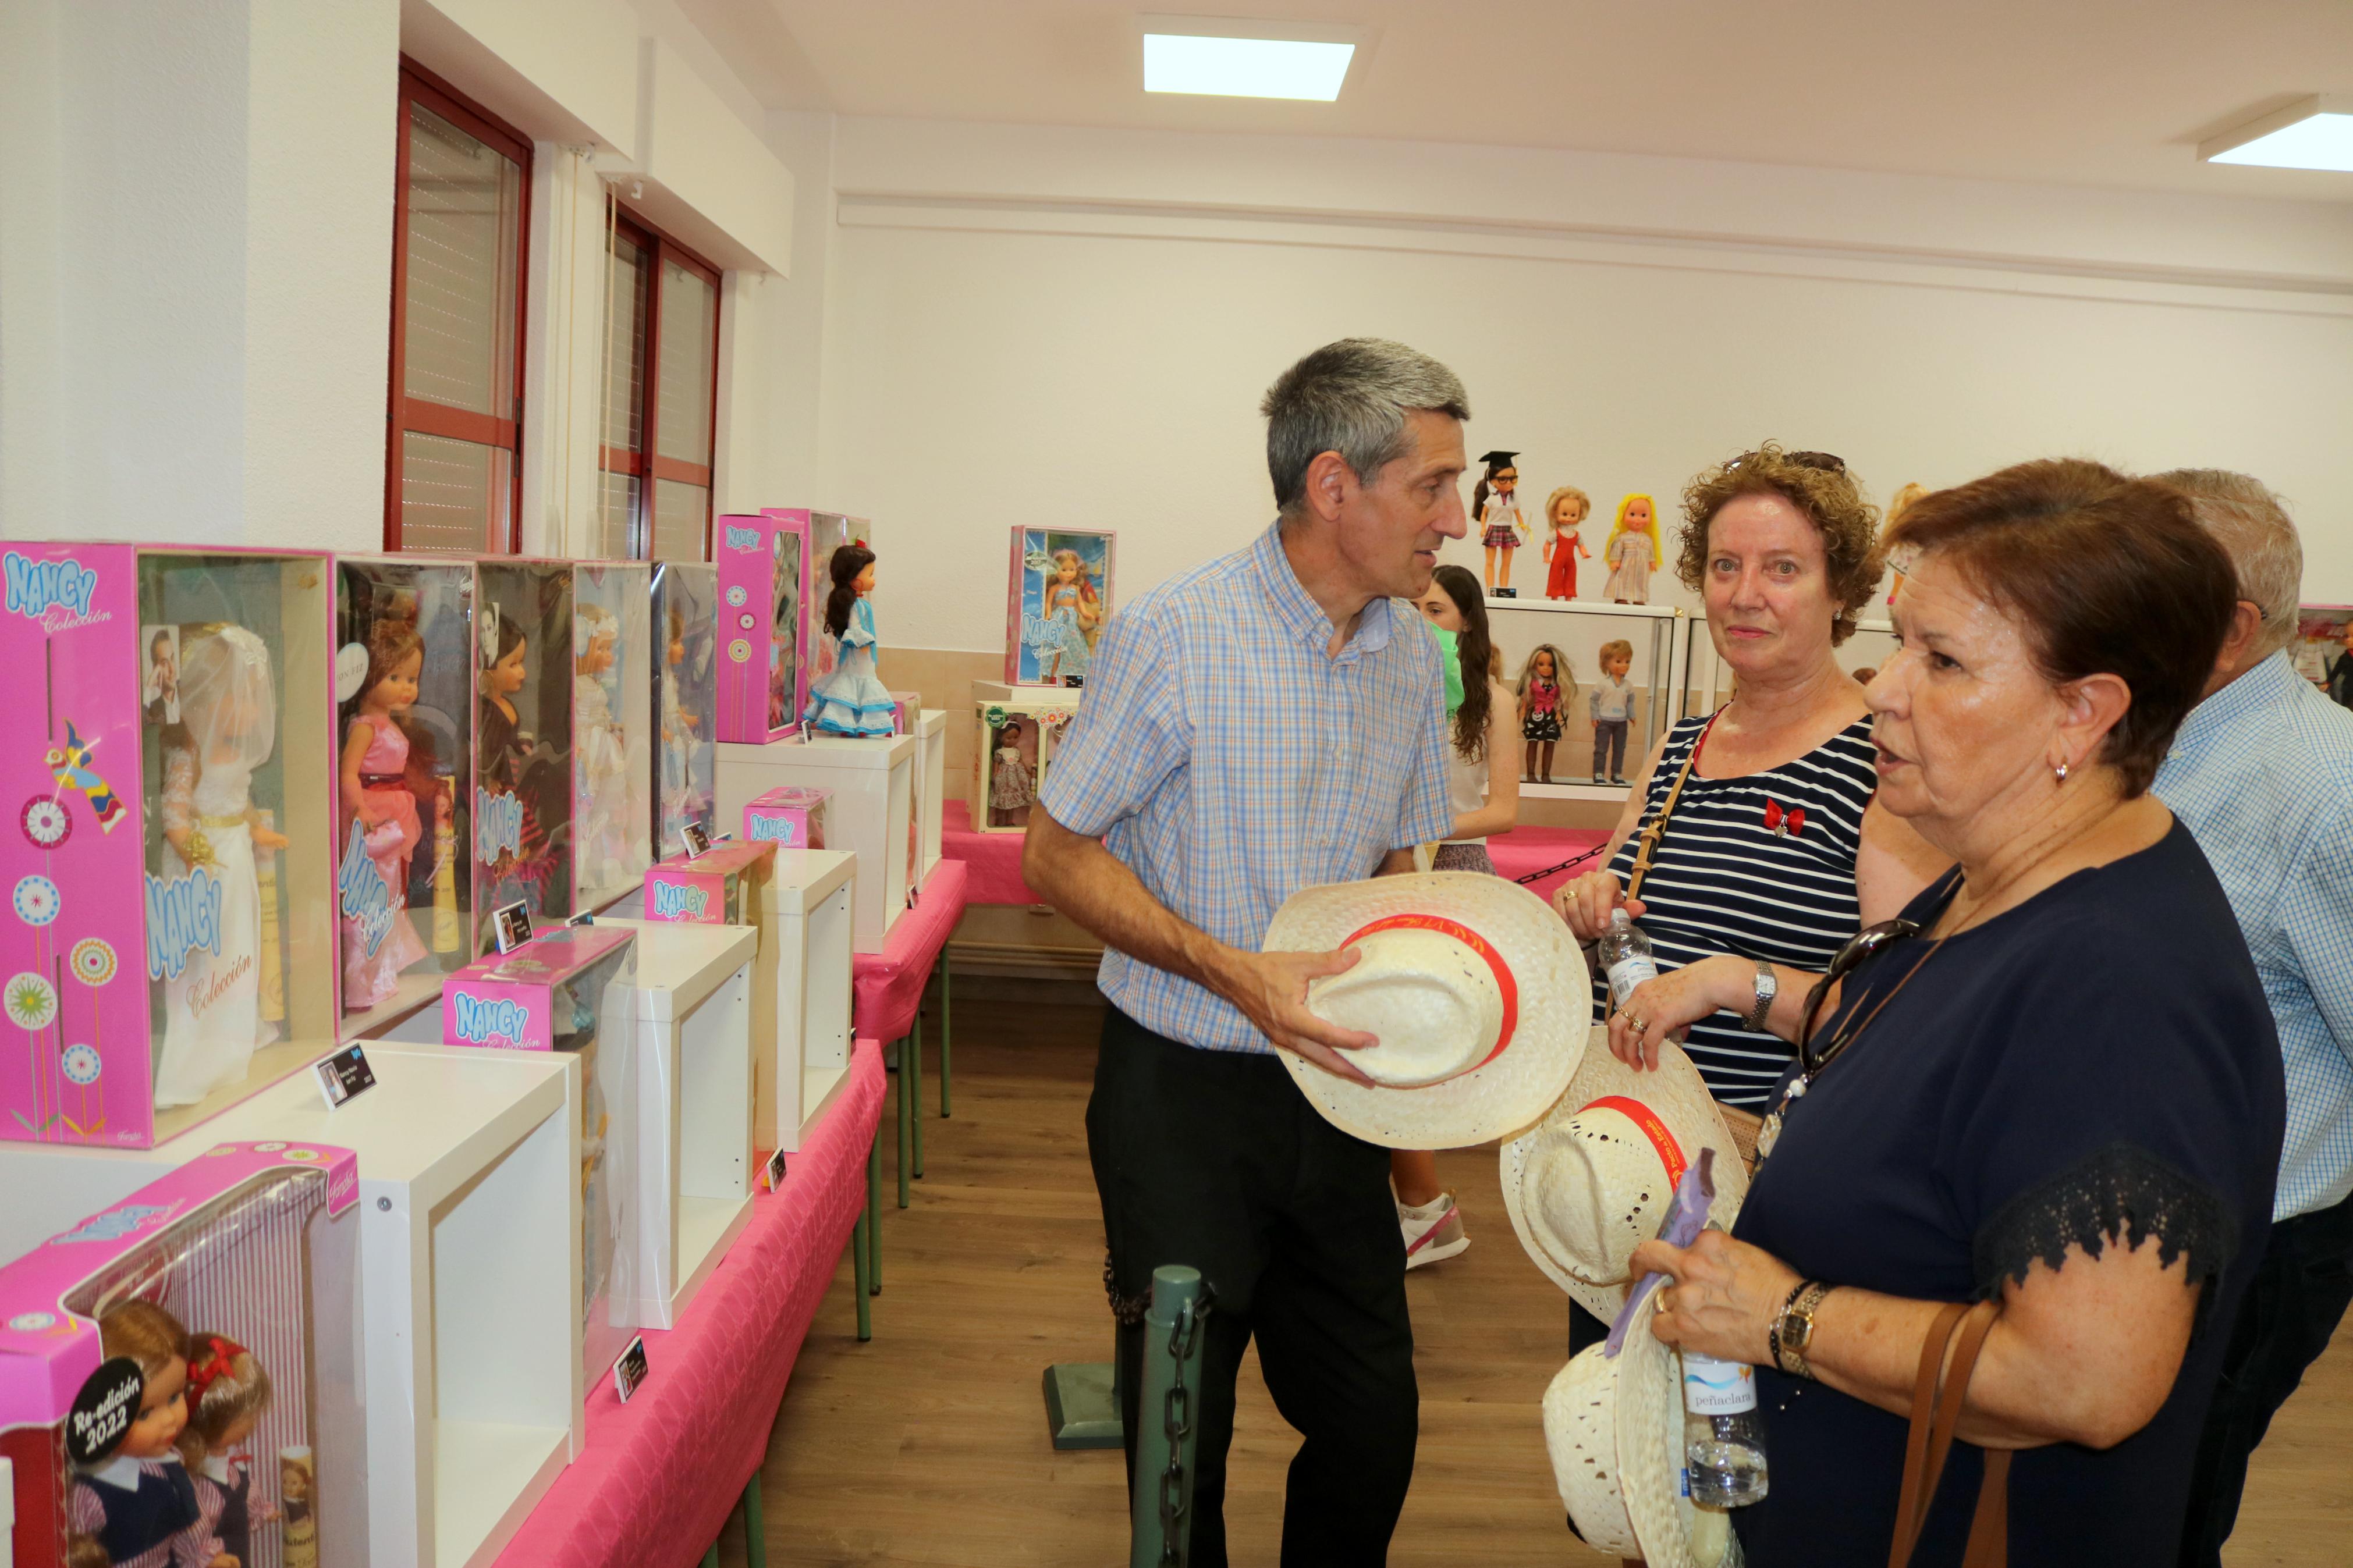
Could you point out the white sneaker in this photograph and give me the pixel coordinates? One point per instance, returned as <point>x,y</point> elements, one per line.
<point>1432,1232</point>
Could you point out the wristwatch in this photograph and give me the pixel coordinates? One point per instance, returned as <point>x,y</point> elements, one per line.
<point>1769,985</point>
<point>1793,1332</point>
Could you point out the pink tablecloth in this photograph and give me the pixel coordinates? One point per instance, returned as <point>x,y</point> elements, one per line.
<point>661,1473</point>
<point>994,859</point>
<point>887,987</point>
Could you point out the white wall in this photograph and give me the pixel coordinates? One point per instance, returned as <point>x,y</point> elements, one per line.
<point>1075,328</point>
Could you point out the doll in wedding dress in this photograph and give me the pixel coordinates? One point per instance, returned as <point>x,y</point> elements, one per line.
<point>228,726</point>
<point>605,805</point>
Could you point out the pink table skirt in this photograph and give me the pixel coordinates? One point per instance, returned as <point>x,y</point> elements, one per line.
<point>887,987</point>
<point>661,1473</point>
<point>994,859</point>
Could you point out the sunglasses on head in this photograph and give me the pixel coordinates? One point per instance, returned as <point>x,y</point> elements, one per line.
<point>1859,947</point>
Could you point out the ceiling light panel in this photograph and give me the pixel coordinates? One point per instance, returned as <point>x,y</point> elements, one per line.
<point>1224,57</point>
<point>2313,134</point>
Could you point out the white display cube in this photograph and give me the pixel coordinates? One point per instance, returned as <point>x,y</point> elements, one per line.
<point>931,788</point>
<point>870,814</point>
<point>810,904</point>
<point>469,1256</point>
<point>691,1005</point>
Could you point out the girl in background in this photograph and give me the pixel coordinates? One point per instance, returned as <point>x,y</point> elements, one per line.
<point>1485,802</point>
<point>1546,684</point>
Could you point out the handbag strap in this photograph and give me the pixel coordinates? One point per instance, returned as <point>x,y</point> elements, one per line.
<point>1651,835</point>
<point>1938,1394</point>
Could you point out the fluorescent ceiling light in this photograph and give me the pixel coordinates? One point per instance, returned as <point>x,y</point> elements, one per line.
<point>2311,133</point>
<point>1225,57</point>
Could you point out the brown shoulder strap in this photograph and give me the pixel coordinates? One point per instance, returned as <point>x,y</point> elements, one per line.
<point>1658,826</point>
<point>1939,1395</point>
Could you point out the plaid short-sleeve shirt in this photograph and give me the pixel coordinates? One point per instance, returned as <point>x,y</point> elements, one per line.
<point>1230,760</point>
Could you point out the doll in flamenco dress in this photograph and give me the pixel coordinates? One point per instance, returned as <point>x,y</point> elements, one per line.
<point>1073,612</point>
<point>211,1009</point>
<point>140,1507</point>
<point>1012,789</point>
<point>1500,519</point>
<point>603,806</point>
<point>849,699</point>
<point>1632,553</point>
<point>227,1392</point>
<point>376,800</point>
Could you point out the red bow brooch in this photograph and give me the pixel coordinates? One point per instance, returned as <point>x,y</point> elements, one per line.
<point>1783,824</point>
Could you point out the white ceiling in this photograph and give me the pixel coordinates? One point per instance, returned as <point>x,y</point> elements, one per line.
<point>2092,92</point>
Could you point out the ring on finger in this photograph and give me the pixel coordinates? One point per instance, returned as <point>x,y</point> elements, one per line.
<point>1636,1021</point>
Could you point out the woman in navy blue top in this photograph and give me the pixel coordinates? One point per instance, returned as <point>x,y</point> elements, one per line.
<point>2053,1082</point>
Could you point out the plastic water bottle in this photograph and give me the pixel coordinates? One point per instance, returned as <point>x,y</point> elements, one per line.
<point>1724,1442</point>
<point>1625,955</point>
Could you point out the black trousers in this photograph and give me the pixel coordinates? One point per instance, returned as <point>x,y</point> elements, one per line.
<point>2299,1297</point>
<point>1215,1160</point>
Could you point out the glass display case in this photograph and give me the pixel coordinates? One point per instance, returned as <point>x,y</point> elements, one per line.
<point>686,700</point>
<point>404,778</point>
<point>172,813</point>
<point>522,838</point>
<point>180,1371</point>
<point>614,667</point>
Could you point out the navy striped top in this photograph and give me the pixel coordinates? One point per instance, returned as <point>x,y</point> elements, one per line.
<point>1723,880</point>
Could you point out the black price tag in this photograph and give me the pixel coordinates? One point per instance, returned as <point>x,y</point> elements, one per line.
<point>343,1076</point>
<point>774,1170</point>
<point>511,925</point>
<point>102,1412</point>
<point>698,839</point>
<point>630,1370</point>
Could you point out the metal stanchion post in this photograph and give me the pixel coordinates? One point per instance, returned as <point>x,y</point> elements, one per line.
<point>1166,1433</point>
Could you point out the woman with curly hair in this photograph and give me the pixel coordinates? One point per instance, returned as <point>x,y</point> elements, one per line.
<point>1763,848</point>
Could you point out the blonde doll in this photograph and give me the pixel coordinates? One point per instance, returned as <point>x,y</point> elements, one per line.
<point>1632,551</point>
<point>1546,684</point>
<point>1072,612</point>
<point>1565,515</point>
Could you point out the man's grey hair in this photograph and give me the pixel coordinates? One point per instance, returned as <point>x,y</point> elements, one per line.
<point>2251,525</point>
<point>1350,397</point>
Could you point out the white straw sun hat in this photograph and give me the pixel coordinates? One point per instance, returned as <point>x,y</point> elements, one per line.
<point>1614,1429</point>
<point>1475,988</point>
<point>1590,1182</point>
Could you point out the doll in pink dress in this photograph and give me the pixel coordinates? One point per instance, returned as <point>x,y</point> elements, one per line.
<point>139,1505</point>
<point>379,828</point>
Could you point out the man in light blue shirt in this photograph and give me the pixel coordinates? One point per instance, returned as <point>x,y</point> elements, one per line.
<point>1269,721</point>
<point>2261,773</point>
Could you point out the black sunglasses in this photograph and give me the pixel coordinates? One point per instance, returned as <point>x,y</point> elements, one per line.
<point>1859,947</point>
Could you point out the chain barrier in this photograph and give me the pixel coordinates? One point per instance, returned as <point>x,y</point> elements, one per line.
<point>1177,1421</point>
<point>1533,878</point>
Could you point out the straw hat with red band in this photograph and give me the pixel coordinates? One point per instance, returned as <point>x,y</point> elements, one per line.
<point>1475,988</point>
<point>1590,1182</point>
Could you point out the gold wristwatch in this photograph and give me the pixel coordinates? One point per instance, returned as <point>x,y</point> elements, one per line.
<point>1793,1332</point>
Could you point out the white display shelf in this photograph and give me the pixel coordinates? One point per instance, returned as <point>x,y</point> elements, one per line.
<point>931,788</point>
<point>470,1251</point>
<point>691,1005</point>
<point>811,899</point>
<point>1612,794</point>
<point>873,807</point>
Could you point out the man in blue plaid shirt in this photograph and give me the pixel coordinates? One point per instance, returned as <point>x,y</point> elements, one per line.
<point>2261,773</point>
<point>1271,720</point>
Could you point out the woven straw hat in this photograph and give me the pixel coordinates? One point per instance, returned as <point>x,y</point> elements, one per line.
<point>1589,1184</point>
<point>1475,988</point>
<point>1614,1429</point>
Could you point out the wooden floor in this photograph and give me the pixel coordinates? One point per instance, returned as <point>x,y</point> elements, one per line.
<point>928,1444</point>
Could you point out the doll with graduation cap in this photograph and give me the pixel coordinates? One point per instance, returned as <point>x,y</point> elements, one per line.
<point>1500,522</point>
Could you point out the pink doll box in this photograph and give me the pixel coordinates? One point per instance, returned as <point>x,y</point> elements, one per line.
<point>255,1244</point>
<point>911,707</point>
<point>762,682</point>
<point>537,996</point>
<point>613,747</point>
<point>718,887</point>
<point>1058,594</point>
<point>790,816</point>
<point>168,956</point>
<point>523,685</point>
<point>406,911</point>
<point>1005,787</point>
<point>827,531</point>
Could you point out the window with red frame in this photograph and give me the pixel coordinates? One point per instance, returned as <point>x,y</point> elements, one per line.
<point>461,218</point>
<point>654,493</point>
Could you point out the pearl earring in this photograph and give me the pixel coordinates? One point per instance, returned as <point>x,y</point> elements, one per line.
<point>2062,770</point>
